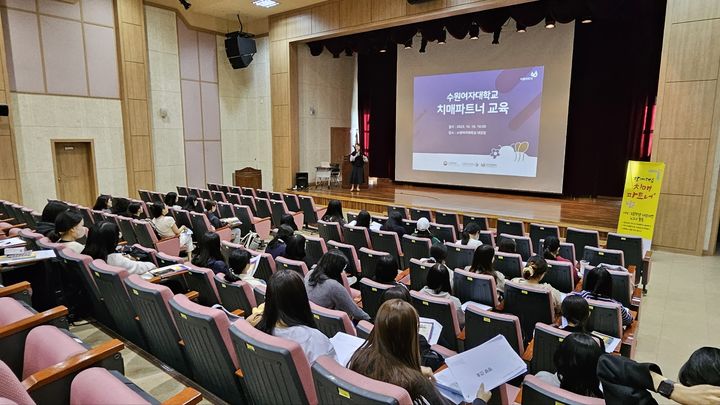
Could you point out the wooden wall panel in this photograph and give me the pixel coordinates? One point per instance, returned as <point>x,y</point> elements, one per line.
<point>299,24</point>
<point>327,17</point>
<point>693,10</point>
<point>687,60</point>
<point>279,57</point>
<point>692,118</point>
<point>688,159</point>
<point>132,51</point>
<point>355,12</point>
<point>425,7</point>
<point>280,86</point>
<point>9,172</point>
<point>384,9</point>
<point>679,216</point>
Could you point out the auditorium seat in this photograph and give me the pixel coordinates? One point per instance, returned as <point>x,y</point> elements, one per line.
<point>201,225</point>
<point>274,370</point>
<point>127,230</point>
<point>330,231</point>
<point>415,248</point>
<point>529,303</point>
<point>469,286</point>
<point>262,206</point>
<point>152,305</point>
<point>248,222</point>
<point>542,231</point>
<point>235,295</point>
<point>357,236</point>
<point>353,266</point>
<point>292,202</point>
<point>279,208</point>
<point>509,264</point>
<point>546,341</point>
<point>379,219</point>
<point>385,241</point>
<point>409,226</point>
<point>632,249</point>
<point>97,216</point>
<point>446,233</point>
<point>368,261</point>
<point>510,227</point>
<point>538,392</point>
<point>595,256</point>
<point>403,211</point>
<point>567,250</point>
<point>581,238</point>
<point>248,191</point>
<point>481,221</point>
<point>110,283</point>
<point>79,265</point>
<point>315,248</point>
<point>183,218</point>
<point>523,245</point>
<point>274,195</point>
<point>206,337</point>
<point>295,265</point>
<point>146,236</point>
<point>605,317</point>
<point>363,329</point>
<point>442,310</point>
<point>218,196</point>
<point>201,280</point>
<point>164,259</point>
<point>265,266</point>
<point>487,238</point>
<point>337,385</point>
<point>351,216</point>
<point>259,292</point>
<point>30,238</point>
<point>145,196</point>
<point>330,321</point>
<point>182,190</point>
<point>233,198</point>
<point>481,326</point>
<point>250,203</point>
<point>560,275</point>
<point>205,194</point>
<point>371,292</point>
<point>312,212</point>
<point>448,218</point>
<point>87,215</point>
<point>418,273</point>
<point>417,213</point>
<point>622,285</point>
<point>458,255</point>
<point>20,291</point>
<point>226,210</point>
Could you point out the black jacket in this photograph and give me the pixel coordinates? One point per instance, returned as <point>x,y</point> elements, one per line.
<point>625,381</point>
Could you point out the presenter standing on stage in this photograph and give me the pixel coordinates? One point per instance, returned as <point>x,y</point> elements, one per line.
<point>358,159</point>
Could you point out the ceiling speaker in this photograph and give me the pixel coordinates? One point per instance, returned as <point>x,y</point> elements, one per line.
<point>240,49</point>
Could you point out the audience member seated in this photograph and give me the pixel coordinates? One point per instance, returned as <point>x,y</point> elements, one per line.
<point>598,286</point>
<point>386,271</point>
<point>277,246</point>
<point>209,255</point>
<point>121,207</point>
<point>471,235</point>
<point>533,274</point>
<point>211,213</point>
<point>364,220</point>
<point>394,224</point>
<point>576,311</point>
<point>288,220</point>
<point>192,204</point>
<point>482,263</point>
<point>241,266</point>
<point>429,357</point>
<point>576,362</point>
<point>437,284</point>
<point>287,314</point>
<point>165,227</point>
<point>295,249</point>
<point>552,252</point>
<point>626,381</point>
<point>422,230</point>
<point>438,254</point>
<point>103,203</point>
<point>102,243</point>
<point>69,227</point>
<point>507,245</point>
<point>325,287</point>
<point>52,209</point>
<point>171,200</point>
<point>134,210</point>
<point>334,212</point>
<point>392,355</point>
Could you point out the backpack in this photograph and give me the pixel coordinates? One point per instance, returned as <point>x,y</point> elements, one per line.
<point>251,240</point>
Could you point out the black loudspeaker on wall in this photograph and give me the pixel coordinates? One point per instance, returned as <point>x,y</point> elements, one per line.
<point>4,110</point>
<point>301,180</point>
<point>240,49</point>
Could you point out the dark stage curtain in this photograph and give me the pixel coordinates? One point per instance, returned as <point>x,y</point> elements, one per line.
<point>377,82</point>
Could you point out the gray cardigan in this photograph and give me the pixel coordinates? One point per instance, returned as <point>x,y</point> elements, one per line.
<point>333,295</point>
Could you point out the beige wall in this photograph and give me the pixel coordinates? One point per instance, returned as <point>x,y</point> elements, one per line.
<point>38,119</point>
<point>245,114</point>
<point>687,127</point>
<point>165,95</point>
<point>325,85</point>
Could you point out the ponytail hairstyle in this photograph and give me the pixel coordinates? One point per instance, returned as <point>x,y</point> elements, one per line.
<point>536,268</point>
<point>552,244</point>
<point>156,209</point>
<point>65,222</point>
<point>471,229</point>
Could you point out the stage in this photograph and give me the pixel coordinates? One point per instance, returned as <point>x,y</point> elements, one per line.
<point>600,214</point>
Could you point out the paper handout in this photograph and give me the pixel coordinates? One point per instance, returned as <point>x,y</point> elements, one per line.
<point>345,346</point>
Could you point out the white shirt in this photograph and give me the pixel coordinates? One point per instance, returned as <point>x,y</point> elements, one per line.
<point>312,341</point>
<point>254,282</point>
<point>132,266</point>
<point>374,226</point>
<point>164,225</point>
<point>74,246</point>
<point>473,243</point>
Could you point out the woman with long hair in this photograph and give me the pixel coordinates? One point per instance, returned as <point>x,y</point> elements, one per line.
<point>358,160</point>
<point>52,209</point>
<point>192,204</point>
<point>394,224</point>
<point>598,286</point>
<point>551,251</point>
<point>103,203</point>
<point>209,255</point>
<point>437,284</point>
<point>287,314</point>
<point>325,287</point>
<point>101,244</point>
<point>334,212</point>
<point>364,219</point>
<point>482,263</point>
<point>471,235</point>
<point>295,249</point>
<point>576,362</point>
<point>533,274</point>
<point>240,268</point>
<point>276,247</point>
<point>392,354</point>
<point>165,226</point>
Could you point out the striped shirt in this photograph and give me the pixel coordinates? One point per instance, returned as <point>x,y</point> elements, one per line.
<point>627,317</point>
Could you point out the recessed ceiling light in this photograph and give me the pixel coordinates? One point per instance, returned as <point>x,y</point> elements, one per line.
<point>266,3</point>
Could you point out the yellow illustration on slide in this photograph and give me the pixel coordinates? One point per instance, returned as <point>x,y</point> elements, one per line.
<point>520,149</point>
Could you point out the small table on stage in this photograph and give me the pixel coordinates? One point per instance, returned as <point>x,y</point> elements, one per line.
<point>322,174</point>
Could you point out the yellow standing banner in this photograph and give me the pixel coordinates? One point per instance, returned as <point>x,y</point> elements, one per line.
<point>640,198</point>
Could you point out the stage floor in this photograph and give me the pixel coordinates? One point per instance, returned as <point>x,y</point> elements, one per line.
<point>601,214</point>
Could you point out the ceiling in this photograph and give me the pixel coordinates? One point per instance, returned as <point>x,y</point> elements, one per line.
<point>227,9</point>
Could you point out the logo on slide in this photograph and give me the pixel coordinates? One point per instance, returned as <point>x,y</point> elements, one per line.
<point>534,74</point>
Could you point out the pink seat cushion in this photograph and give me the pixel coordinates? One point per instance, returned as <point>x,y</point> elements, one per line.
<point>221,321</point>
<point>359,380</point>
<point>45,346</point>
<point>11,310</point>
<point>98,386</point>
<point>11,389</point>
<point>164,291</point>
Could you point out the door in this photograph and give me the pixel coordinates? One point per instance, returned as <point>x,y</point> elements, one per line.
<point>340,144</point>
<point>75,172</point>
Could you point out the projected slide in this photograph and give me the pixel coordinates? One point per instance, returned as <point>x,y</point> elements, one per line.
<point>478,122</point>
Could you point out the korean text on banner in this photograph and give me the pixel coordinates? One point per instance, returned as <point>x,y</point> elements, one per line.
<point>640,198</point>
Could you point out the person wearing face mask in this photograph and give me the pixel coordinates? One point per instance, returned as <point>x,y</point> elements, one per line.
<point>69,227</point>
